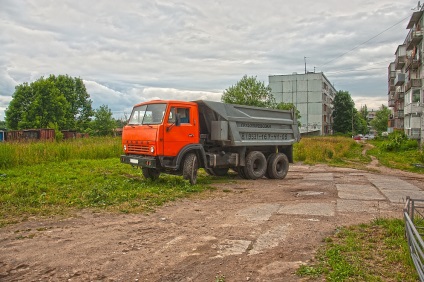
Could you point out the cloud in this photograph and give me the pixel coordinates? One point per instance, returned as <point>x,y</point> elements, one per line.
<point>123,100</point>
<point>373,103</point>
<point>133,50</point>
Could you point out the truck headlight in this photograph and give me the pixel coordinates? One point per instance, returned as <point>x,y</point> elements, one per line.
<point>125,147</point>
<point>152,149</point>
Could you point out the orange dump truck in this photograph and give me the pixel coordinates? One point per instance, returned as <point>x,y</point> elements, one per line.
<point>177,137</point>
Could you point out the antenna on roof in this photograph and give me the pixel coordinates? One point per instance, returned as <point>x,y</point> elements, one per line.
<point>418,6</point>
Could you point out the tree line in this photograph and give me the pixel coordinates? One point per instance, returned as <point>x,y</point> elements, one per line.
<point>62,102</point>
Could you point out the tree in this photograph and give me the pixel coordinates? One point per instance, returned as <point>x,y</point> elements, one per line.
<point>364,112</point>
<point>360,123</point>
<point>60,100</point>
<point>381,119</point>
<point>103,123</point>
<point>343,112</point>
<point>249,91</point>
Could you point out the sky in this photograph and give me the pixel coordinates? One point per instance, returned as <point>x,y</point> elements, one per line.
<point>132,51</point>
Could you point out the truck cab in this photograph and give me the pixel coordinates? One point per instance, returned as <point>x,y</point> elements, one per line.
<point>158,133</point>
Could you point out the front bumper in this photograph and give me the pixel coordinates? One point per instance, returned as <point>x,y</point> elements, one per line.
<point>141,161</point>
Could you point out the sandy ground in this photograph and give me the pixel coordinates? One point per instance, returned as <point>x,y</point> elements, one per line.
<point>244,231</point>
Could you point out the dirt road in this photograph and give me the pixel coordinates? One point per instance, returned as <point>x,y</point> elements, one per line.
<point>245,231</point>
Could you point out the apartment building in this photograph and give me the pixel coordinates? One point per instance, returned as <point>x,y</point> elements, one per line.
<point>312,94</point>
<point>405,75</point>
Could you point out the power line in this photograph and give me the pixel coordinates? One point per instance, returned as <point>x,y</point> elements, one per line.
<point>365,42</point>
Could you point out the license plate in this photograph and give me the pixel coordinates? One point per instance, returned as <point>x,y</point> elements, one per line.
<point>133,161</point>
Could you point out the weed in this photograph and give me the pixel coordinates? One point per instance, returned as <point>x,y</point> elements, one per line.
<point>58,187</point>
<point>350,255</point>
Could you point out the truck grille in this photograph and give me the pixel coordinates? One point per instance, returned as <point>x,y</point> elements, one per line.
<point>135,148</point>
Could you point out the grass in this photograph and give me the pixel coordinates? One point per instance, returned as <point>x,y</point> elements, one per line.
<point>367,252</point>
<point>30,153</point>
<point>56,178</point>
<point>338,151</point>
<point>402,160</point>
<point>47,179</point>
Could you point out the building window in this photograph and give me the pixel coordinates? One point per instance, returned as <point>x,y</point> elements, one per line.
<point>416,93</point>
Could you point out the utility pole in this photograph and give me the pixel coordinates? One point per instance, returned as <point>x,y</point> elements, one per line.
<point>304,58</point>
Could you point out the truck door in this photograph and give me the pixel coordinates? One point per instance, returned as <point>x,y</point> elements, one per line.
<point>177,136</point>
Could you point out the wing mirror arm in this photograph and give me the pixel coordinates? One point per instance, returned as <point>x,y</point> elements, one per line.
<point>176,123</point>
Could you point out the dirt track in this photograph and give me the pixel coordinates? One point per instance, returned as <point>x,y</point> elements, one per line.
<point>246,231</point>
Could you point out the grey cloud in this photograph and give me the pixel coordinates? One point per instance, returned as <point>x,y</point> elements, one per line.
<point>123,50</point>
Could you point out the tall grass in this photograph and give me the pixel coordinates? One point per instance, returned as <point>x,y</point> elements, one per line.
<point>331,149</point>
<point>21,154</point>
<point>376,251</point>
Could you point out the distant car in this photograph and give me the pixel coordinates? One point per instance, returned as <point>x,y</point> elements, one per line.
<point>358,137</point>
<point>369,136</point>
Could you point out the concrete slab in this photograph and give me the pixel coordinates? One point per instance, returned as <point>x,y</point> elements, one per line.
<point>358,192</point>
<point>362,206</point>
<point>318,209</point>
<point>259,212</point>
<point>232,247</point>
<point>270,239</point>
<point>384,182</point>
<point>319,176</point>
<point>399,196</point>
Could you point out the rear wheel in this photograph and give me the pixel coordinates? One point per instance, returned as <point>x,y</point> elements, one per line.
<point>278,166</point>
<point>240,171</point>
<point>190,168</point>
<point>256,165</point>
<point>151,173</point>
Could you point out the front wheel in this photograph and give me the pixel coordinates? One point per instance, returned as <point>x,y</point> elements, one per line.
<point>190,168</point>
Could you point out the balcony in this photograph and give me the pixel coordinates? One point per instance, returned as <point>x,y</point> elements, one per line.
<point>391,71</point>
<point>400,114</point>
<point>399,79</point>
<point>391,103</point>
<point>414,37</point>
<point>412,63</point>
<point>414,109</point>
<point>400,95</point>
<point>400,57</point>
<point>400,62</point>
<point>413,83</point>
<point>415,18</point>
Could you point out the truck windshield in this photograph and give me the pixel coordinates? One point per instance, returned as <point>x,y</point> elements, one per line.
<point>147,114</point>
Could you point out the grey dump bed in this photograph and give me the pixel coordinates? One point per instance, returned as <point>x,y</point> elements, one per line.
<point>237,125</point>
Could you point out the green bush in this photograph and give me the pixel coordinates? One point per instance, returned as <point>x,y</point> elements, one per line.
<point>395,141</point>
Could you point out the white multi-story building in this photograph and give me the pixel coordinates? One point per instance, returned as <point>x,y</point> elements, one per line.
<point>405,81</point>
<point>313,96</point>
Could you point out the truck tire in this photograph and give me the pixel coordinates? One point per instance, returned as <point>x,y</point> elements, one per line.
<point>151,173</point>
<point>278,166</point>
<point>240,171</point>
<point>256,165</point>
<point>190,168</point>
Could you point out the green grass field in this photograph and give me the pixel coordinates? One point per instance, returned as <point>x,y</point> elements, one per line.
<point>48,179</point>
